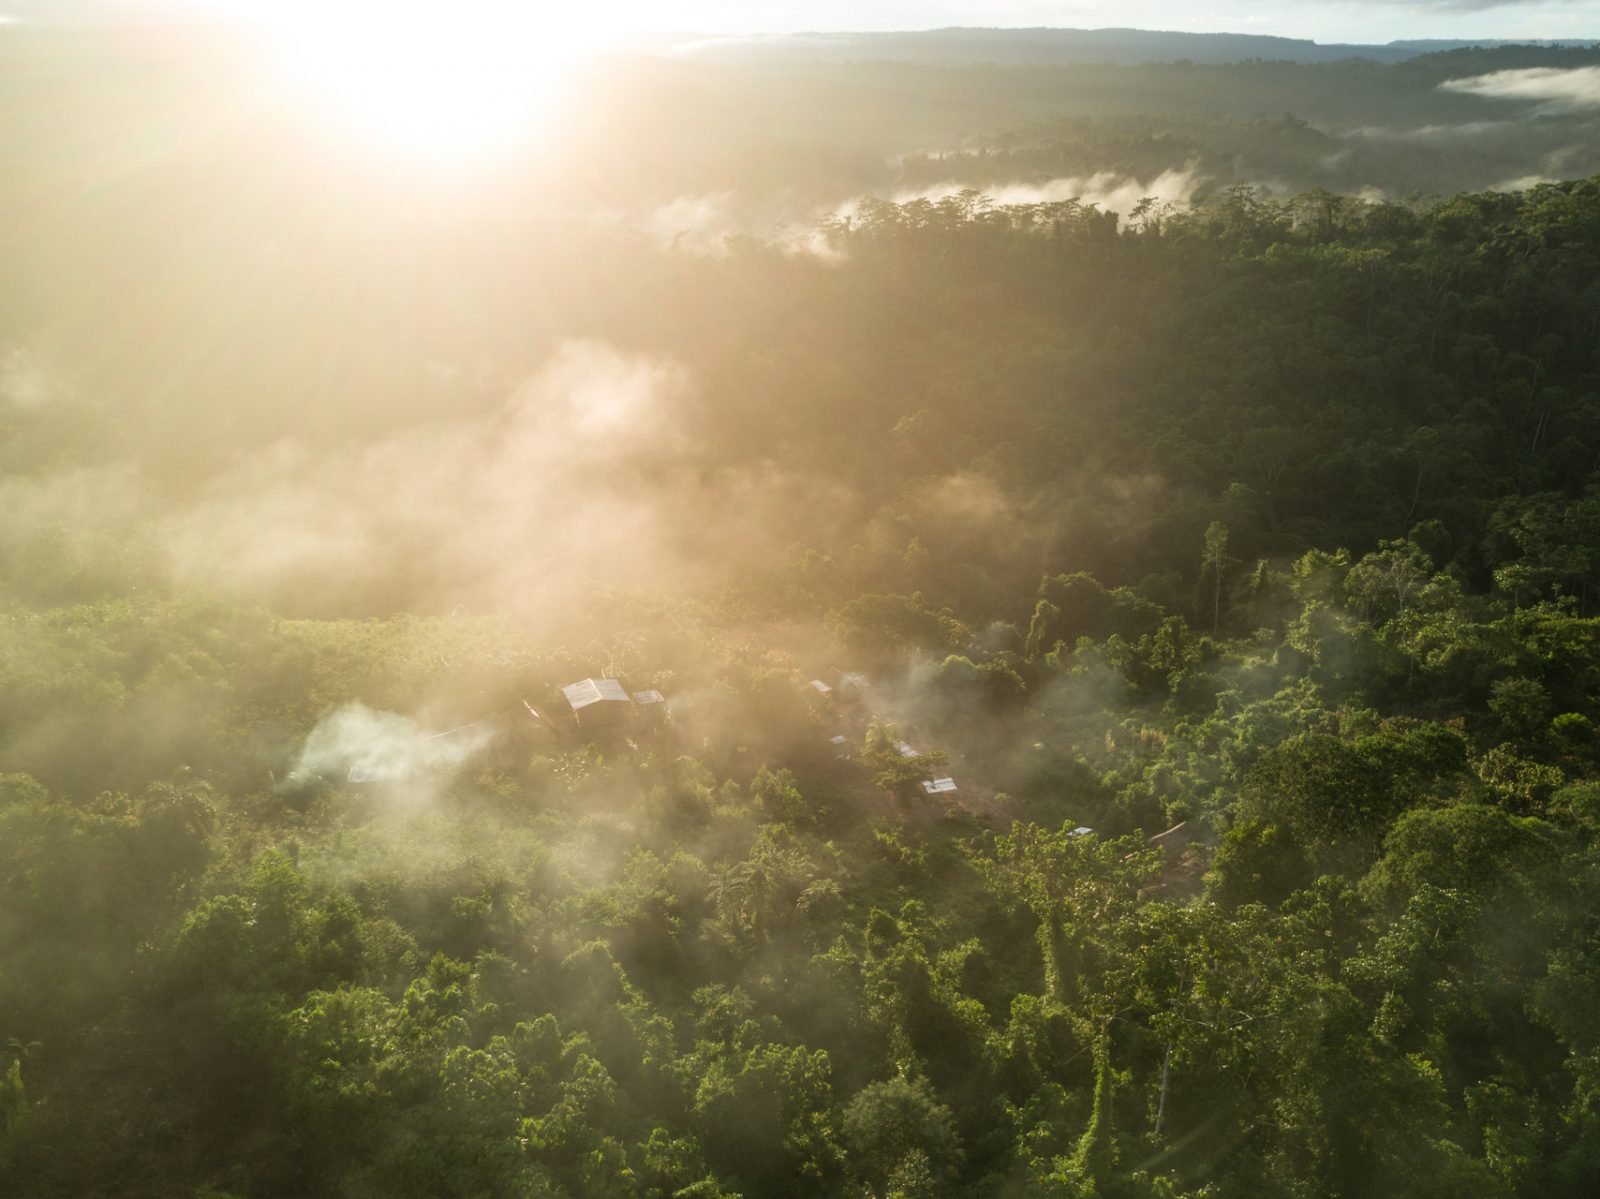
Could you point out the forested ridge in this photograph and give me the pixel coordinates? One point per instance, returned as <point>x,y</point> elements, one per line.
<point>1273,518</point>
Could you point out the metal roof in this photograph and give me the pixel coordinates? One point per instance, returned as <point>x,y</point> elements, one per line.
<point>649,697</point>
<point>851,679</point>
<point>595,691</point>
<point>821,688</point>
<point>1081,831</point>
<point>838,739</point>
<point>1175,837</point>
<point>906,751</point>
<point>939,786</point>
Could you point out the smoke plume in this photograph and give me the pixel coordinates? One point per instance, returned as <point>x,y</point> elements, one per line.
<point>362,745</point>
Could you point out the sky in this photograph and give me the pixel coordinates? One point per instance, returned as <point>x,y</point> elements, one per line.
<point>1370,21</point>
<point>1322,20</point>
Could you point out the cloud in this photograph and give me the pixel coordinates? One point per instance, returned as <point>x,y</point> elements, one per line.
<point>1467,5</point>
<point>1558,90</point>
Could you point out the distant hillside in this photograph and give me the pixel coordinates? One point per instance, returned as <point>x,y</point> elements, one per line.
<point>1056,47</point>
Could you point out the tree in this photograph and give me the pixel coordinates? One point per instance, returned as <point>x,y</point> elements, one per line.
<point>898,1128</point>
<point>1334,800</point>
<point>1215,562</point>
<point>1383,582</point>
<point>879,627</point>
<point>13,1116</point>
<point>1522,707</point>
<point>1257,862</point>
<point>1082,891</point>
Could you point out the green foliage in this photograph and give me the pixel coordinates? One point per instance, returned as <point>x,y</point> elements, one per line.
<point>881,628</point>
<point>1257,862</point>
<point>1334,798</point>
<point>901,1138</point>
<point>13,1116</point>
<point>1470,848</point>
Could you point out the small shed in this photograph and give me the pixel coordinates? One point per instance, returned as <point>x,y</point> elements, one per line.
<point>1082,830</point>
<point>939,786</point>
<point>652,706</point>
<point>822,688</point>
<point>598,703</point>
<point>905,749</point>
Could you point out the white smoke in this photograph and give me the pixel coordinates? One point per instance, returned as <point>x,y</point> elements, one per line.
<point>359,744</point>
<point>27,383</point>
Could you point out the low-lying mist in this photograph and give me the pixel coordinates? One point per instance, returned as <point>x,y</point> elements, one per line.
<point>591,473</point>
<point>705,223</point>
<point>1554,90</point>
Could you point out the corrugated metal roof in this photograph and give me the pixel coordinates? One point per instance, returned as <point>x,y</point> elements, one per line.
<point>939,786</point>
<point>1082,830</point>
<point>906,751</point>
<point>595,691</point>
<point>649,697</point>
<point>839,739</point>
<point>820,687</point>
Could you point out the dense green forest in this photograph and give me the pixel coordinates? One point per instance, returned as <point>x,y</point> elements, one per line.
<point>1271,518</point>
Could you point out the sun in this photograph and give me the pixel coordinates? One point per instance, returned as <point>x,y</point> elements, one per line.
<point>446,81</point>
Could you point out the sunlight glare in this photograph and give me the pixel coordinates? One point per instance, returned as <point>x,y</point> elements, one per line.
<point>447,81</point>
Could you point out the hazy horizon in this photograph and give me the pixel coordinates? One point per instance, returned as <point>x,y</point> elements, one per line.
<point>1366,22</point>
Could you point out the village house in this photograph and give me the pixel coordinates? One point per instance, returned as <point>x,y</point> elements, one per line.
<point>598,703</point>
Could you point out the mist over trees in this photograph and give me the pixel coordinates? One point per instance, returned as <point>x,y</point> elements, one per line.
<point>1234,552</point>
